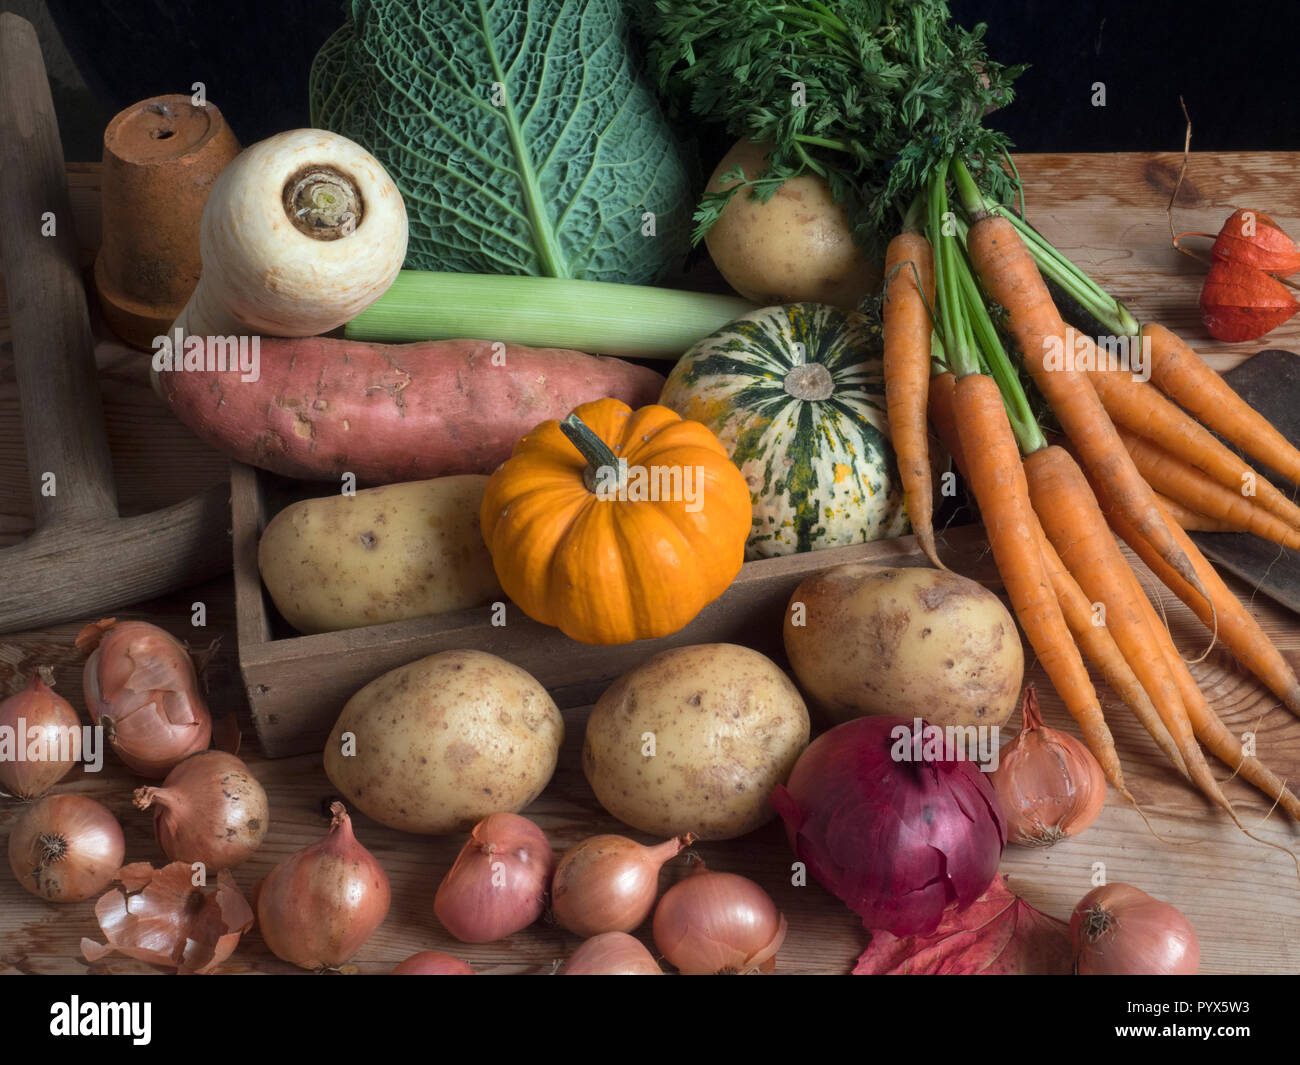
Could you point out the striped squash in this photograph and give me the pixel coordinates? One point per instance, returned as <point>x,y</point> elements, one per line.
<point>797,395</point>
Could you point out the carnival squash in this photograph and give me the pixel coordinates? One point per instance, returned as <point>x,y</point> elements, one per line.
<point>616,525</point>
<point>796,394</point>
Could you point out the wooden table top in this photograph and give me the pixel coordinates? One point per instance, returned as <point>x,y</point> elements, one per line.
<point>1106,212</point>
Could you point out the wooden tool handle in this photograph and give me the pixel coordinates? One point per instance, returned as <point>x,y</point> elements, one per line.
<point>54,355</point>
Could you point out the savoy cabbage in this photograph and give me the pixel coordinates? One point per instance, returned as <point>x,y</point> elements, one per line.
<point>519,131</point>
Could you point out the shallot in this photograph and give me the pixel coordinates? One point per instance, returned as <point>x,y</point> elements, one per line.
<point>432,963</point>
<point>45,732</point>
<point>718,923</point>
<point>1049,784</point>
<point>612,954</point>
<point>66,848</point>
<point>210,809</point>
<point>1119,930</point>
<point>609,883</point>
<point>319,906</point>
<point>498,882</point>
<point>141,687</point>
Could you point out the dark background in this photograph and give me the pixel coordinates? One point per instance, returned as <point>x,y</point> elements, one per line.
<point>1233,63</point>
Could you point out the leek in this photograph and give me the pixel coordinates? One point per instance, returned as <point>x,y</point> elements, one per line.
<point>635,321</point>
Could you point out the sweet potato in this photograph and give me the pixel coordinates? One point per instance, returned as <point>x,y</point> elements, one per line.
<point>321,407</point>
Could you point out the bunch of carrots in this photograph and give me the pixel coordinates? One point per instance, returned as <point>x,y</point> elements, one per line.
<point>1137,459</point>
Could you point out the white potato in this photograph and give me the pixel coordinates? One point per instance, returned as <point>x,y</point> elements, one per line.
<point>436,745</point>
<point>694,740</point>
<point>796,247</point>
<point>384,554</point>
<point>914,641</point>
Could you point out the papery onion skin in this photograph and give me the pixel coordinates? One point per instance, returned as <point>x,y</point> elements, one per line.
<point>1120,930</point>
<point>897,841</point>
<point>1049,784</point>
<point>611,954</point>
<point>160,916</point>
<point>66,848</point>
<point>37,710</point>
<point>609,883</point>
<point>210,809</point>
<point>141,686</point>
<point>479,904</point>
<point>432,963</point>
<point>318,907</point>
<point>718,923</point>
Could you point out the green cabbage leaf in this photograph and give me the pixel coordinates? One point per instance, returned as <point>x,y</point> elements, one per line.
<point>519,132</point>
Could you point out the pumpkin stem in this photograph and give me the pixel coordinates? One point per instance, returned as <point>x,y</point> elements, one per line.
<point>599,455</point>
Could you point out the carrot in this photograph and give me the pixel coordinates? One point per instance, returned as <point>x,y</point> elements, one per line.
<point>1185,378</point>
<point>1211,731</point>
<point>1077,529</point>
<point>907,331</point>
<point>1099,647</point>
<point>1143,409</point>
<point>1095,641</point>
<point>1189,486</point>
<point>1239,631</point>
<point>1191,520</point>
<point>997,478</point>
<point>943,416</point>
<point>1011,277</point>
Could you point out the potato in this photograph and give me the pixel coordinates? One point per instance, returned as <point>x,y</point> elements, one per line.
<point>442,742</point>
<point>694,740</point>
<point>918,642</point>
<point>796,247</point>
<point>383,554</point>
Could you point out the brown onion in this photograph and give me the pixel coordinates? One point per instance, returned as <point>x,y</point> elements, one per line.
<point>612,954</point>
<point>141,686</point>
<point>432,963</point>
<point>499,881</point>
<point>43,724</point>
<point>66,848</point>
<point>210,809</point>
<point>1120,930</point>
<point>318,907</point>
<point>1049,784</point>
<point>609,883</point>
<point>718,923</point>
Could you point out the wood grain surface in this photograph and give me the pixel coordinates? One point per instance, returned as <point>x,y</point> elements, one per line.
<point>1107,212</point>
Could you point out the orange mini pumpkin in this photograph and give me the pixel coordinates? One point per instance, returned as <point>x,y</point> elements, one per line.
<point>616,525</point>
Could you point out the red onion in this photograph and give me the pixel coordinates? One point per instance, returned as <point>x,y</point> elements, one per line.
<point>210,810</point>
<point>898,840</point>
<point>499,881</point>
<point>609,883</point>
<point>66,848</point>
<point>1119,930</point>
<point>718,923</point>
<point>318,907</point>
<point>42,724</point>
<point>612,954</point>
<point>141,686</point>
<point>432,963</point>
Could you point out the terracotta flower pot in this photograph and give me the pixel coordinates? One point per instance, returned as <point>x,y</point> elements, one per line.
<point>161,157</point>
